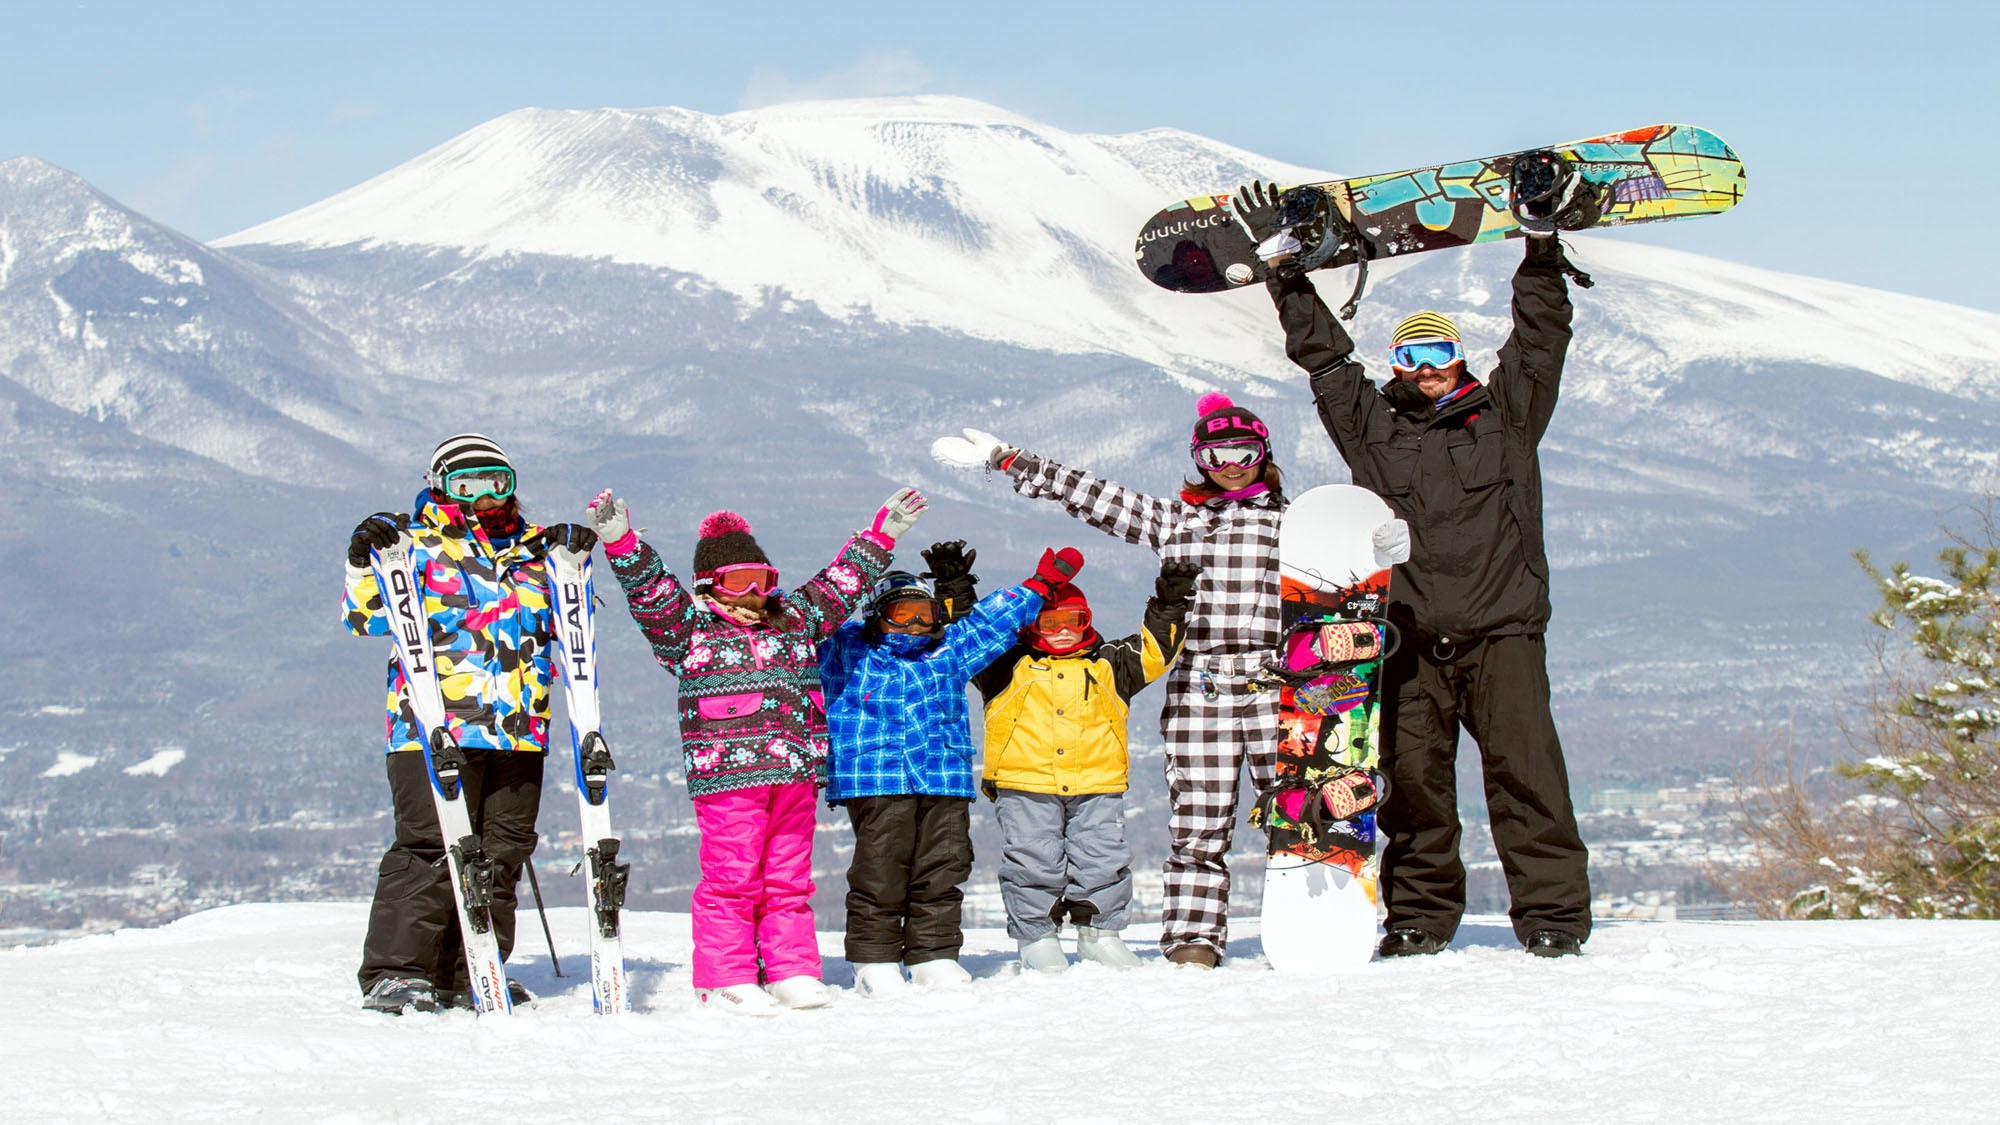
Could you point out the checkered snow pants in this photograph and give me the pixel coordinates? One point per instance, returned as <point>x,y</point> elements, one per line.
<point>1213,725</point>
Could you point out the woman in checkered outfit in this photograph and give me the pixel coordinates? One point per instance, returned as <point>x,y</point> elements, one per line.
<point>1226,521</point>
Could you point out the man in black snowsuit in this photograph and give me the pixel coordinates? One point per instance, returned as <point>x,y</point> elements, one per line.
<point>1456,458</point>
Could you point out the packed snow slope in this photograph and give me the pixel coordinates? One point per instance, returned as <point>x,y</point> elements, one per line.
<point>252,1011</point>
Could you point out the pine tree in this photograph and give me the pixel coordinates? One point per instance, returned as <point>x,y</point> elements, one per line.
<point>1913,829</point>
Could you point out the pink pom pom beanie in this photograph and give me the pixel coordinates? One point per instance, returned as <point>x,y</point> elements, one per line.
<point>724,540</point>
<point>1219,421</point>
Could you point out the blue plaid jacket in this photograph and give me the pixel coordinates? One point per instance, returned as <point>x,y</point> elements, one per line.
<point>895,709</point>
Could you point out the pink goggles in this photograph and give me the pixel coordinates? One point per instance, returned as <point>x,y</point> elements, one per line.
<point>752,579</point>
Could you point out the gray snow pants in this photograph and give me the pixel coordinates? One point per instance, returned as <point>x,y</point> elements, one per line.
<point>1066,857</point>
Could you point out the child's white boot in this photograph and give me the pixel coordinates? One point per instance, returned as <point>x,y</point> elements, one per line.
<point>739,999</point>
<point>879,979</point>
<point>1105,947</point>
<point>1044,954</point>
<point>941,973</point>
<point>799,992</point>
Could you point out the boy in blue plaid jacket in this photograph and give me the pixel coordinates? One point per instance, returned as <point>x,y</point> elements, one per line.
<point>899,758</point>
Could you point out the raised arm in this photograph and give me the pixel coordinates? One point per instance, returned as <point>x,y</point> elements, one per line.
<point>1143,657</point>
<point>664,609</point>
<point>1529,377</point>
<point>1111,508</point>
<point>830,597</point>
<point>1352,410</point>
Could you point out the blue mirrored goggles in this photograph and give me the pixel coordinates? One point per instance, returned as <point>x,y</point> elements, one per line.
<point>471,484</point>
<point>1437,354</point>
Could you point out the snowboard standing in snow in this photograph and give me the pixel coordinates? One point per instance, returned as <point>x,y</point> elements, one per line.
<point>1321,870</point>
<point>1644,175</point>
<point>572,598</point>
<point>470,870</point>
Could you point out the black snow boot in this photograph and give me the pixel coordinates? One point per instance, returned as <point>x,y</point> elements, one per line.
<point>396,995</point>
<point>1409,943</point>
<point>517,995</point>
<point>1554,943</point>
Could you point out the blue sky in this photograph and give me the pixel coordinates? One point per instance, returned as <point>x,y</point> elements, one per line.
<point>1852,118</point>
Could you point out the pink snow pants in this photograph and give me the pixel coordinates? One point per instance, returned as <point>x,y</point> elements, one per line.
<point>755,896</point>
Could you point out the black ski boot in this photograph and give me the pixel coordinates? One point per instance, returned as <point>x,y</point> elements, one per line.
<point>1409,942</point>
<point>1554,943</point>
<point>396,995</point>
<point>517,995</point>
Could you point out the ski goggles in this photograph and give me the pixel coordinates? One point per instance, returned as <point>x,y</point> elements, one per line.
<point>1437,354</point>
<point>749,579</point>
<point>472,484</point>
<point>911,611</point>
<point>1241,455</point>
<point>1066,617</point>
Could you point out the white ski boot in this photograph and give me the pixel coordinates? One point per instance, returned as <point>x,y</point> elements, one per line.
<point>1044,954</point>
<point>943,973</point>
<point>1105,947</point>
<point>879,980</point>
<point>799,992</point>
<point>738,999</point>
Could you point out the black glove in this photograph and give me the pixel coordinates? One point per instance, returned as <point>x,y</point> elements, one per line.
<point>1176,581</point>
<point>950,559</point>
<point>990,788</point>
<point>1405,398</point>
<point>378,532</point>
<point>571,536</point>
<point>1257,206</point>
<point>951,574</point>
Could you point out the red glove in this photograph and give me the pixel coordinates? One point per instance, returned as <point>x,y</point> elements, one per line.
<point>1055,569</point>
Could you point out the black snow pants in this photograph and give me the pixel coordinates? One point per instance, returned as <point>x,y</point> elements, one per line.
<point>911,853</point>
<point>413,926</point>
<point>1498,690</point>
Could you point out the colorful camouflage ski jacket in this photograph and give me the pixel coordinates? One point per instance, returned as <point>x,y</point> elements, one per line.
<point>751,711</point>
<point>491,627</point>
<point>897,711</point>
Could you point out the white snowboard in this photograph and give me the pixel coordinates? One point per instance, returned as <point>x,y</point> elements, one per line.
<point>1320,917</point>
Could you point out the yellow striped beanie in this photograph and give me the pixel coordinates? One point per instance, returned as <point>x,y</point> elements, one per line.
<point>1426,325</point>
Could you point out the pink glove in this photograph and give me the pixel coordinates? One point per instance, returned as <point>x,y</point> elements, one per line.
<point>897,516</point>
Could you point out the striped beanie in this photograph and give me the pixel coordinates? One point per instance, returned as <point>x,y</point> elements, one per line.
<point>1426,326</point>
<point>465,451</point>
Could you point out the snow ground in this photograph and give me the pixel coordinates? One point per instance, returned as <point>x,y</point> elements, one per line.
<point>251,1011</point>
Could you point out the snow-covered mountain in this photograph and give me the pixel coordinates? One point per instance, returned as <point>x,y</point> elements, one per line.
<point>775,311</point>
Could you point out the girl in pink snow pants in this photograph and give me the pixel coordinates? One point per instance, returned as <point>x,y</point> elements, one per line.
<point>753,728</point>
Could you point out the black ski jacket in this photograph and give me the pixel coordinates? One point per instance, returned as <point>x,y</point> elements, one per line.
<point>1467,478</point>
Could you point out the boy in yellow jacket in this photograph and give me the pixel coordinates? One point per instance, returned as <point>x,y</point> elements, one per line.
<point>1056,767</point>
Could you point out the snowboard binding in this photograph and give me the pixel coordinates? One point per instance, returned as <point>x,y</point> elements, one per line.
<point>1305,812</point>
<point>1549,196</point>
<point>1307,213</point>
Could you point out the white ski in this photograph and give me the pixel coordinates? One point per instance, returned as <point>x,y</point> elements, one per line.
<point>605,877</point>
<point>471,872</point>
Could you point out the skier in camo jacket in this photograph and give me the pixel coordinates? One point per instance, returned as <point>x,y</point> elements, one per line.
<point>1214,722</point>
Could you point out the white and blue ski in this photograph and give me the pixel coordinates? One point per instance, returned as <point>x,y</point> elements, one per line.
<point>605,877</point>
<point>471,871</point>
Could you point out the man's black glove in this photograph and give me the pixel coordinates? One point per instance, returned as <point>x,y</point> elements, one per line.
<point>378,532</point>
<point>1176,581</point>
<point>1257,206</point>
<point>951,574</point>
<point>571,536</point>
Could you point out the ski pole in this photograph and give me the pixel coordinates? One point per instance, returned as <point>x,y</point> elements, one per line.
<point>535,885</point>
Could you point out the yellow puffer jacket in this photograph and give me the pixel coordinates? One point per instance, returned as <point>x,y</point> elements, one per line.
<point>1056,724</point>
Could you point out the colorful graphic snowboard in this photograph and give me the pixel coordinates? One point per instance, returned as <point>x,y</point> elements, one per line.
<point>1644,175</point>
<point>1320,873</point>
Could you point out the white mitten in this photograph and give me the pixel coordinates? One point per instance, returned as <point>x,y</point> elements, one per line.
<point>1392,543</point>
<point>976,450</point>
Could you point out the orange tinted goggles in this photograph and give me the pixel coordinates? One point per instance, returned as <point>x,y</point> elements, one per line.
<point>746,579</point>
<point>911,611</point>
<point>1068,617</point>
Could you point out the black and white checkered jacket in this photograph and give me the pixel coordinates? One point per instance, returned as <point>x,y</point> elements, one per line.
<point>1235,541</point>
